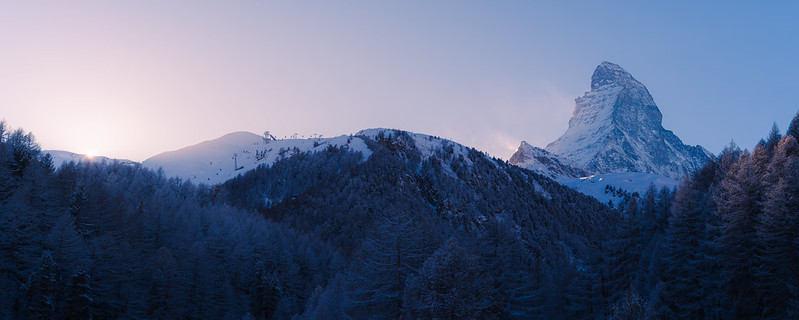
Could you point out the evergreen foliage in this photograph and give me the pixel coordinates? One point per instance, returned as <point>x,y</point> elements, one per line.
<point>402,234</point>
<point>730,245</point>
<point>316,235</point>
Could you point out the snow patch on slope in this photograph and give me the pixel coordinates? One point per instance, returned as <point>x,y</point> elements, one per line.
<point>631,182</point>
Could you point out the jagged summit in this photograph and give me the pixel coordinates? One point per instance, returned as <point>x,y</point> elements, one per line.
<point>617,127</point>
<point>610,73</point>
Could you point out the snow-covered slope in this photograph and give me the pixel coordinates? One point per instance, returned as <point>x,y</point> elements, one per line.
<point>621,182</point>
<point>61,157</point>
<point>595,185</point>
<point>216,161</point>
<point>545,163</point>
<point>617,127</point>
<point>212,162</point>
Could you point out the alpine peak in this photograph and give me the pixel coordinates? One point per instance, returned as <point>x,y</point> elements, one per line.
<point>617,127</point>
<point>610,73</point>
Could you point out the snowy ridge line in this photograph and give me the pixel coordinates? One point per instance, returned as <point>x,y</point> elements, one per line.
<point>61,157</point>
<point>428,145</point>
<point>216,161</point>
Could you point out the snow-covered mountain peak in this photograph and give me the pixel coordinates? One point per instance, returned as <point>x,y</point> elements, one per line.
<point>617,127</point>
<point>608,73</point>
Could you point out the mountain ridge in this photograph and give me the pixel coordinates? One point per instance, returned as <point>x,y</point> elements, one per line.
<point>218,160</point>
<point>545,163</point>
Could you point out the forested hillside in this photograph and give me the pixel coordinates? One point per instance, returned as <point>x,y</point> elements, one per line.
<point>525,241</point>
<point>400,234</point>
<point>317,235</point>
<point>110,241</point>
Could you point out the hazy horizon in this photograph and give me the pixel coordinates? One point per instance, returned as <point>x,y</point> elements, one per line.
<point>131,80</point>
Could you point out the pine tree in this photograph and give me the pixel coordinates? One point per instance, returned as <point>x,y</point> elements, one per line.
<point>517,274</point>
<point>624,252</point>
<point>793,127</point>
<point>773,139</point>
<point>387,259</point>
<point>580,297</point>
<point>687,274</point>
<point>777,278</point>
<point>78,301</point>
<point>681,293</point>
<point>327,303</point>
<point>451,285</point>
<point>40,290</point>
<point>739,202</point>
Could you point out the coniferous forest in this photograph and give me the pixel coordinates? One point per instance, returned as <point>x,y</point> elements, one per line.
<point>329,235</point>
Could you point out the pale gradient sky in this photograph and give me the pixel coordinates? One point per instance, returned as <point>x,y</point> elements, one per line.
<point>132,79</point>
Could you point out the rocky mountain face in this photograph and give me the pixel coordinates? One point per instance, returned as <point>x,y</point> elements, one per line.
<point>617,127</point>
<point>545,163</point>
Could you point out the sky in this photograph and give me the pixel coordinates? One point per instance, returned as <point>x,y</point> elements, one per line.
<point>131,79</point>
